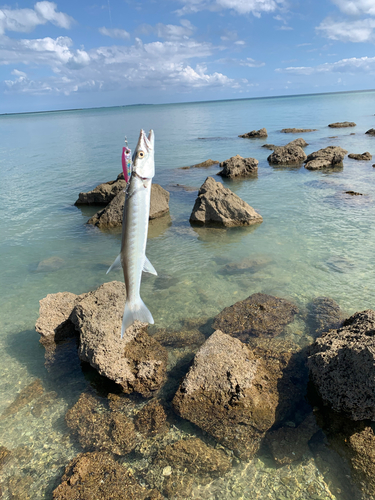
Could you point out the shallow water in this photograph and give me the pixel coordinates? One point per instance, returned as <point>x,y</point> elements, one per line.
<point>314,240</point>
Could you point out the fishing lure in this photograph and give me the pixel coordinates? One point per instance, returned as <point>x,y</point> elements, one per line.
<point>126,159</point>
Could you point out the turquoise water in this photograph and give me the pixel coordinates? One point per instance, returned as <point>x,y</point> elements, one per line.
<point>316,240</point>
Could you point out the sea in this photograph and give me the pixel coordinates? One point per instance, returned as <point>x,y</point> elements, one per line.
<point>315,241</point>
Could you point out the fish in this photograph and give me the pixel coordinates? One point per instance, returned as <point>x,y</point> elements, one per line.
<point>132,257</point>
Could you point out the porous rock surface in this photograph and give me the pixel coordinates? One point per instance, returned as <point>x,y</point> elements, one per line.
<point>237,166</point>
<point>255,134</point>
<point>137,362</point>
<point>342,124</point>
<point>98,476</point>
<point>289,154</point>
<point>330,156</point>
<point>364,156</point>
<point>151,419</point>
<point>342,366</point>
<point>260,315</point>
<point>371,131</point>
<point>229,393</point>
<point>297,130</point>
<point>217,205</point>
<point>102,194</point>
<point>111,216</point>
<point>324,314</point>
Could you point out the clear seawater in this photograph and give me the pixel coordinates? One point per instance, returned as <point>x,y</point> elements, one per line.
<point>316,240</point>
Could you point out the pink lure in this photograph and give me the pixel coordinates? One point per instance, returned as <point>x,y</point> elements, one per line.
<point>126,159</point>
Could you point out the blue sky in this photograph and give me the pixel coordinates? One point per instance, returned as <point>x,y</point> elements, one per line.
<point>73,54</point>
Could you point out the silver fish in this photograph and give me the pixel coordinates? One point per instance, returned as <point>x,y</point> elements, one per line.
<point>132,256</point>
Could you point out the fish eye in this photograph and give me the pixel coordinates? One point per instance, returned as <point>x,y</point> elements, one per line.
<point>141,154</point>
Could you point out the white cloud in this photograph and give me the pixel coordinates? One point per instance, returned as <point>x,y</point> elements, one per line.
<point>285,28</point>
<point>354,65</point>
<point>356,7</point>
<point>346,31</point>
<point>169,31</point>
<point>114,33</point>
<point>25,20</point>
<point>249,62</point>
<point>255,7</point>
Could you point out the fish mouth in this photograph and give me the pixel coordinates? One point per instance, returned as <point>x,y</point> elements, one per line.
<point>145,143</point>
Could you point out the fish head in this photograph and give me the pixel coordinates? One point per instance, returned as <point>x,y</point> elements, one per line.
<point>143,157</point>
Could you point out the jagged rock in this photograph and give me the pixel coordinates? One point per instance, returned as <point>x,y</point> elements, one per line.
<point>342,124</point>
<point>229,393</point>
<point>152,419</point>
<point>259,315</point>
<point>217,205</point>
<point>102,194</point>
<point>204,164</point>
<point>111,215</point>
<point>330,156</point>
<point>289,154</point>
<point>98,476</point>
<point>55,309</point>
<point>297,130</point>
<point>98,429</point>
<point>137,362</point>
<point>371,131</point>
<point>324,314</point>
<point>50,265</point>
<point>364,156</point>
<point>27,394</point>
<point>255,134</point>
<point>237,166</point>
<point>342,366</point>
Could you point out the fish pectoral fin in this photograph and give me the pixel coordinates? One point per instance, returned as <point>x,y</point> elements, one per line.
<point>116,265</point>
<point>148,267</point>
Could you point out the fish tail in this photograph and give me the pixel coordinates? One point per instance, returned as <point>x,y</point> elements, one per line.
<point>135,310</point>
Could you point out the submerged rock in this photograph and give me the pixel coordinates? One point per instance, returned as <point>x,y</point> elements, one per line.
<point>342,366</point>
<point>219,206</point>
<point>102,194</point>
<point>342,124</point>
<point>237,166</point>
<point>331,156</point>
<point>152,419</point>
<point>364,156</point>
<point>371,131</point>
<point>246,265</point>
<point>324,314</point>
<point>27,394</point>
<point>259,315</point>
<point>4,455</point>
<point>50,265</point>
<point>297,130</point>
<point>289,154</point>
<point>204,164</point>
<point>255,134</point>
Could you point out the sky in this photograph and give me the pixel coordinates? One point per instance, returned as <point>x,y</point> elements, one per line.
<point>80,54</point>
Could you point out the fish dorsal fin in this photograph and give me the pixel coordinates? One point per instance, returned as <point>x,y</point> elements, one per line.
<point>116,265</point>
<point>148,267</point>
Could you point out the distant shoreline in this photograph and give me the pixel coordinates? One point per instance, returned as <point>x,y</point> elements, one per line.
<point>188,102</point>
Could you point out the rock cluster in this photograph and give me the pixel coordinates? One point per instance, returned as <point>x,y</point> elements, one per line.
<point>342,124</point>
<point>102,194</point>
<point>255,134</point>
<point>286,155</point>
<point>331,156</point>
<point>219,206</point>
<point>237,166</point>
<point>364,156</point>
<point>297,130</point>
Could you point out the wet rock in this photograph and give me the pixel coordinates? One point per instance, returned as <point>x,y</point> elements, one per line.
<point>331,156</point>
<point>137,362</point>
<point>230,394</point>
<point>43,403</point>
<point>152,419</point>
<point>219,206</point>
<point>364,156</point>
<point>246,265</point>
<point>371,131</point>
<point>54,322</point>
<point>288,154</point>
<point>178,485</point>
<point>255,134</point>
<point>342,366</point>
<point>111,215</point>
<point>289,444</point>
<point>269,146</point>
<point>324,314</point>
<point>296,142</point>
<point>27,394</point>
<point>102,194</point>
<point>342,124</point>
<point>259,315</point>
<point>353,193</point>
<point>204,164</point>
<point>51,264</point>
<point>237,166</point>
<point>99,429</point>
<point>179,339</point>
<point>4,455</point>
<point>98,476</point>
<point>19,487</point>
<point>297,130</point>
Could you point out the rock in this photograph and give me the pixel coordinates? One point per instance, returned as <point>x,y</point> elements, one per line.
<point>111,215</point>
<point>50,265</point>
<point>259,315</point>
<point>269,146</point>
<point>237,166</point>
<point>342,366</point>
<point>255,134</point>
<point>371,131</point>
<point>364,156</point>
<point>230,394</point>
<point>152,419</point>
<point>219,206</point>
<point>353,193</point>
<point>297,130</point>
<point>43,403</point>
<point>296,142</point>
<point>53,323</point>
<point>204,164</point>
<point>4,455</point>
<point>342,124</point>
<point>246,265</point>
<point>330,156</point>
<point>19,486</point>
<point>289,154</point>
<point>179,339</point>
<point>289,444</point>
<point>137,362</point>
<point>324,314</point>
<point>27,394</point>
<point>102,194</point>
<point>98,429</point>
<point>98,476</point>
